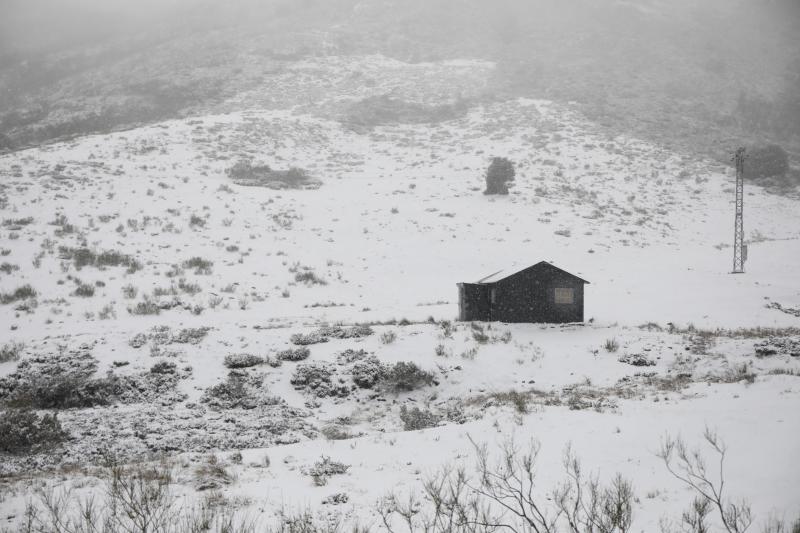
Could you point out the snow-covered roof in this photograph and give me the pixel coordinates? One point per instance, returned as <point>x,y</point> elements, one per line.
<point>507,272</point>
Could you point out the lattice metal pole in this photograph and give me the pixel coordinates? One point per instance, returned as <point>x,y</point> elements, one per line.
<point>739,250</point>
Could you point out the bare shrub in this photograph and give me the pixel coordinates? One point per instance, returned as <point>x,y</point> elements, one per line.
<point>388,337</point>
<point>135,499</point>
<point>519,400</point>
<point>129,291</point>
<point>690,467</point>
<point>611,345</point>
<point>504,494</point>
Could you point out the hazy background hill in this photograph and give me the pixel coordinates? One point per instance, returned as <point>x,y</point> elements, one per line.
<point>698,75</point>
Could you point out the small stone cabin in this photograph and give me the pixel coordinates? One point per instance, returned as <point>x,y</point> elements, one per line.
<point>539,293</point>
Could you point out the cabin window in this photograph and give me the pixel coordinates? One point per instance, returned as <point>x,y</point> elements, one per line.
<point>565,296</point>
<point>493,295</point>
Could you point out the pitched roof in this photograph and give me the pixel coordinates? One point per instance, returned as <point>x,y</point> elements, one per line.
<point>505,273</point>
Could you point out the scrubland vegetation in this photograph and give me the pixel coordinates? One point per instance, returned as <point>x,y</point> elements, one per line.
<point>242,319</point>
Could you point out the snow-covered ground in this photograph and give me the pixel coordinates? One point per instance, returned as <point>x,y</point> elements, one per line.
<point>399,219</point>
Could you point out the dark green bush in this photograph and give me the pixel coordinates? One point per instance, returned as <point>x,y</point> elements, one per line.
<point>63,391</point>
<point>25,431</point>
<point>498,176</point>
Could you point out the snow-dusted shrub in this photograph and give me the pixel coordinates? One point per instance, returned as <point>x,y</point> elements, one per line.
<point>61,391</point>
<point>138,340</point>
<point>130,291</point>
<point>637,359</point>
<point>353,332</point>
<point>309,277</point>
<point>312,374</point>
<point>515,398</point>
<point>82,257</point>
<point>318,379</point>
<point>239,390</point>
<point>388,337</point>
<point>327,467</point>
<point>304,339</point>
<point>336,499</point>
<point>331,332</point>
<point>190,335</point>
<point>778,345</point>
<point>20,293</point>
<point>25,431</point>
<point>200,265</point>
<point>349,356</point>
<point>164,367</point>
<point>611,345</point>
<point>335,432</point>
<point>11,351</point>
<point>245,173</point>
<point>447,328</point>
<point>8,268</point>
<point>294,354</point>
<point>736,374</point>
<point>367,373</point>
<point>406,376</point>
<point>66,380</point>
<point>242,360</point>
<point>197,221</point>
<point>146,307</point>
<point>211,474</point>
<point>416,418</point>
<point>84,290</point>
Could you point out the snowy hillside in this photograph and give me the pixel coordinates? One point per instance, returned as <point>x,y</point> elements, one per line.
<point>146,265</point>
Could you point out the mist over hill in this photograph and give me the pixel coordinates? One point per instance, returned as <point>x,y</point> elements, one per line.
<point>702,76</point>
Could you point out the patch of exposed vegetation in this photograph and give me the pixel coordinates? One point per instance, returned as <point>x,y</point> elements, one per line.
<point>245,173</point>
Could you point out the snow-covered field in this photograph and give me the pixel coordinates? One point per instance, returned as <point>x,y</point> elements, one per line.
<point>398,220</point>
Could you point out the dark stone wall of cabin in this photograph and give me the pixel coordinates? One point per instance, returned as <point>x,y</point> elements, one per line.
<point>529,296</point>
<point>473,302</point>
